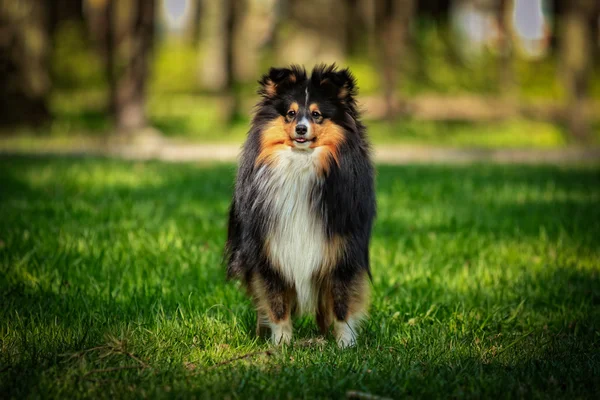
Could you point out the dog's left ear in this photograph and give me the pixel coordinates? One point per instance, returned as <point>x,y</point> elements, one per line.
<point>340,84</point>
<point>278,79</point>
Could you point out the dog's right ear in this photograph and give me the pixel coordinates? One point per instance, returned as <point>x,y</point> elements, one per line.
<point>278,79</point>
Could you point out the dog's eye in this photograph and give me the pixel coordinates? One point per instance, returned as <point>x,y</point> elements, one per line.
<point>291,113</point>
<point>316,114</point>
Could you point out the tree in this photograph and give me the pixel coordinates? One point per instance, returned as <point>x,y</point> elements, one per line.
<point>506,81</point>
<point>231,12</point>
<point>195,23</point>
<point>64,10</point>
<point>125,29</point>
<point>220,58</point>
<point>576,47</point>
<point>314,31</point>
<point>24,72</point>
<point>393,21</point>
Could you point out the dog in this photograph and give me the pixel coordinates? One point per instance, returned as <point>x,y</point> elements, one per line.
<point>304,204</point>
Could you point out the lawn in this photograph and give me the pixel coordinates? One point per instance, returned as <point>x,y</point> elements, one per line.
<point>485,279</point>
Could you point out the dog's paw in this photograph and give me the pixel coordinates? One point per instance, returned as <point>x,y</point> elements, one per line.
<point>281,335</point>
<point>345,333</point>
<point>346,341</point>
<point>281,339</point>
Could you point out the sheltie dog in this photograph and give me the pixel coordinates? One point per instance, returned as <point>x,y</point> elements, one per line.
<point>304,204</point>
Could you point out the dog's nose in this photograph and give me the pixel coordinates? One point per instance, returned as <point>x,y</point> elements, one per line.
<point>301,129</point>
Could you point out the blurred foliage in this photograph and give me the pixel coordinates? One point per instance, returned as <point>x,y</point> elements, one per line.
<point>75,62</point>
<point>175,68</point>
<point>435,67</point>
<point>179,107</point>
<point>432,66</point>
<point>78,111</point>
<point>513,133</point>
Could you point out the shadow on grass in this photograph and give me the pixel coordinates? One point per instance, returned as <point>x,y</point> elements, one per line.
<point>74,295</point>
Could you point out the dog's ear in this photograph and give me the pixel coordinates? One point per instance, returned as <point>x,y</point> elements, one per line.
<point>278,79</point>
<point>338,83</point>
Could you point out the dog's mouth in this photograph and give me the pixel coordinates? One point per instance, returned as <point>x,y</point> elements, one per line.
<point>302,140</point>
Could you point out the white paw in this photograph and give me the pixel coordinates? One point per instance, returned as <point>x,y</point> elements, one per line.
<point>345,342</point>
<point>345,333</point>
<point>281,335</point>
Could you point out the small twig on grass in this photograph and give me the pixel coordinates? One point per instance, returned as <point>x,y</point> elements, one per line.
<point>354,394</point>
<point>318,342</point>
<point>304,343</point>
<point>143,364</point>
<point>110,350</point>
<point>99,371</point>
<point>100,381</point>
<point>269,352</point>
<point>83,352</point>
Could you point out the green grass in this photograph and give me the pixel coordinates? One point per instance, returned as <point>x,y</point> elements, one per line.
<point>486,284</point>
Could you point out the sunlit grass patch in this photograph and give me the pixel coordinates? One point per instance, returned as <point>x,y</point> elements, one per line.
<point>485,282</point>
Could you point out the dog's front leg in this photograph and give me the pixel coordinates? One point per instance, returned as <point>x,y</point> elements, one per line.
<point>273,300</point>
<point>350,295</point>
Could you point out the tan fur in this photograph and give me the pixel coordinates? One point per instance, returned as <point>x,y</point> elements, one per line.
<point>276,136</point>
<point>343,93</point>
<point>360,295</point>
<point>357,306</point>
<point>270,88</point>
<point>278,133</point>
<point>333,252</point>
<point>329,137</point>
<point>264,303</point>
<point>325,315</point>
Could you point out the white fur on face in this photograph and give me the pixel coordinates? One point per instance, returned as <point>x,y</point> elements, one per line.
<point>306,97</point>
<point>296,240</point>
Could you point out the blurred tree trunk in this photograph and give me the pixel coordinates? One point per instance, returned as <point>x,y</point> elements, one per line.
<point>354,28</point>
<point>506,78</point>
<point>133,37</point>
<point>393,21</point>
<point>214,73</point>
<point>232,12</point>
<point>220,58</point>
<point>315,32</point>
<point>576,47</point>
<point>558,11</point>
<point>438,11</point>
<point>255,28</point>
<point>124,30</point>
<point>368,10</point>
<point>24,72</point>
<point>64,10</point>
<point>196,24</point>
<point>358,27</point>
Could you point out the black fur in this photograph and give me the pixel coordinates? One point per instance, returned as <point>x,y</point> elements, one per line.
<point>344,199</point>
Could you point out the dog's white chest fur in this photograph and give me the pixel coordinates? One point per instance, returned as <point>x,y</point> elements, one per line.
<point>296,239</point>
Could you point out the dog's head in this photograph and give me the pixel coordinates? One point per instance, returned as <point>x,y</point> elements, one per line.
<point>305,112</point>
